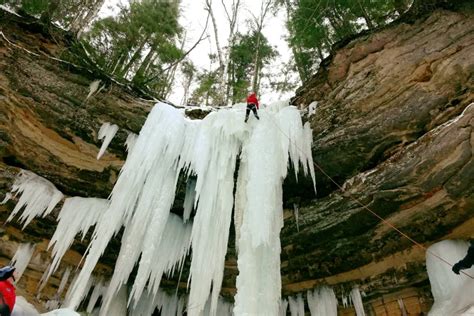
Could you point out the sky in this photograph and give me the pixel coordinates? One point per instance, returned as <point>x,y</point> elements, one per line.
<point>193,19</point>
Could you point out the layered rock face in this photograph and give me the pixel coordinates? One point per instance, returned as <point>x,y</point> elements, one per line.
<point>393,127</point>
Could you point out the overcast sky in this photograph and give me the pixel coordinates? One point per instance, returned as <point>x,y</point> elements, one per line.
<point>193,19</point>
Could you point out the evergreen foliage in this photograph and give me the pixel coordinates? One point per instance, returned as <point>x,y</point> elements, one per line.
<point>315,25</point>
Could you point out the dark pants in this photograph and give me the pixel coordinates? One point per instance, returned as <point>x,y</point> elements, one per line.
<point>468,260</point>
<point>4,310</point>
<point>251,107</point>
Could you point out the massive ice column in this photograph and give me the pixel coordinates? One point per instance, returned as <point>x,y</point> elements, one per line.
<point>452,293</point>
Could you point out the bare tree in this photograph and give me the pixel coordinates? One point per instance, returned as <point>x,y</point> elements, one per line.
<point>258,24</point>
<point>223,57</point>
<point>90,10</point>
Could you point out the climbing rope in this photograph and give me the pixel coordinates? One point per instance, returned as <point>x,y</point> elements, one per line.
<point>355,199</point>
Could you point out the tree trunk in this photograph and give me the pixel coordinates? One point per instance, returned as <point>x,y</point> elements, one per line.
<point>137,54</point>
<point>366,16</point>
<point>259,23</point>
<point>84,19</point>
<point>144,65</point>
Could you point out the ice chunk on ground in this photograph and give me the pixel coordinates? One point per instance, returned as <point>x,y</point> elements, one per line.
<point>38,196</point>
<point>106,134</point>
<point>23,308</point>
<point>452,293</point>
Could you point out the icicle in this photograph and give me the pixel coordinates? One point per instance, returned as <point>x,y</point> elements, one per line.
<point>322,301</point>
<point>38,196</point>
<point>147,304</point>
<point>21,259</point>
<point>312,108</point>
<point>452,293</point>
<point>131,140</point>
<point>64,279</point>
<point>99,290</point>
<point>189,199</point>
<point>43,281</point>
<point>344,302</point>
<point>7,198</point>
<point>402,307</point>
<point>357,300</point>
<point>106,134</point>
<point>77,215</point>
<point>296,305</point>
<point>71,294</point>
<point>93,87</point>
<point>283,307</point>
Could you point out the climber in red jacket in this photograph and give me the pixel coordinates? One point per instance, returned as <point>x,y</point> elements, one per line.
<point>7,290</point>
<point>252,105</point>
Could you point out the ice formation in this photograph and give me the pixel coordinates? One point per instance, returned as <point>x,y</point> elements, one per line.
<point>38,196</point>
<point>93,87</point>
<point>77,215</point>
<point>312,108</point>
<point>223,308</point>
<point>106,134</point>
<point>7,198</point>
<point>322,301</point>
<point>357,301</point>
<point>283,307</point>
<point>401,304</point>
<point>452,293</point>
<point>98,291</point>
<point>131,140</point>
<point>118,305</point>
<point>296,305</point>
<point>207,151</point>
<point>278,137</point>
<point>64,279</point>
<point>22,258</point>
<point>168,304</point>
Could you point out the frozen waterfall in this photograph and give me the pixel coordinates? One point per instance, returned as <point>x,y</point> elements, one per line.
<point>205,152</point>
<point>452,293</point>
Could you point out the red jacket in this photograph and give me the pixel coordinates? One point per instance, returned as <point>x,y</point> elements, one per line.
<point>252,99</point>
<point>7,292</point>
